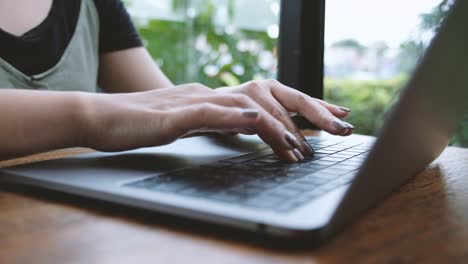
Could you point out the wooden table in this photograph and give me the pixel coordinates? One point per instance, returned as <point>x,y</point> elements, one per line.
<point>425,221</point>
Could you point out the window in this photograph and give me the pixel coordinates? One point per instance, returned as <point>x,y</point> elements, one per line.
<point>355,53</point>
<point>227,42</point>
<point>214,42</point>
<point>371,49</point>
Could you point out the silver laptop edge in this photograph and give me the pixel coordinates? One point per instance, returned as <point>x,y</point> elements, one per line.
<point>421,123</point>
<point>416,132</point>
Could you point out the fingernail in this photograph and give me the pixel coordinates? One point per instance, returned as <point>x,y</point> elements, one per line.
<point>346,131</point>
<point>347,110</point>
<point>298,154</point>
<point>340,125</point>
<point>308,149</point>
<point>349,125</point>
<point>250,113</point>
<point>292,157</point>
<point>349,133</point>
<point>292,140</point>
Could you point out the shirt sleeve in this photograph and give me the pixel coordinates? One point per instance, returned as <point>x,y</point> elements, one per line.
<point>117,32</point>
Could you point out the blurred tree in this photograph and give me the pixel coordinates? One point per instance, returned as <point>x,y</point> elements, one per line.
<point>369,100</point>
<point>410,53</point>
<point>432,20</point>
<point>199,49</point>
<point>352,44</point>
<point>412,50</point>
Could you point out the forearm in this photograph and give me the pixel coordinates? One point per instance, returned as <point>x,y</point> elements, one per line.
<point>38,121</point>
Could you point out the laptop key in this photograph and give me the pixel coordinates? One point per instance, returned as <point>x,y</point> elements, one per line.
<point>310,195</point>
<point>226,196</point>
<point>346,167</point>
<point>323,162</point>
<point>314,166</point>
<point>250,156</point>
<point>299,186</point>
<point>264,184</point>
<point>311,180</point>
<point>332,159</point>
<point>352,163</point>
<point>335,170</point>
<point>285,192</point>
<point>247,190</point>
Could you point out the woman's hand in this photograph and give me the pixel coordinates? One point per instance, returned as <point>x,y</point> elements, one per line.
<point>116,122</point>
<point>280,101</point>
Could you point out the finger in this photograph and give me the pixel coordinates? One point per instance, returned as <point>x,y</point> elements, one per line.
<point>211,117</point>
<point>270,130</point>
<point>260,92</point>
<point>295,101</point>
<point>268,102</point>
<point>283,142</point>
<point>338,111</point>
<point>290,155</point>
<point>349,132</point>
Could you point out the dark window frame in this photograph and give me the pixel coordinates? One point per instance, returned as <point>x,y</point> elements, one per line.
<point>301,45</point>
<point>301,48</point>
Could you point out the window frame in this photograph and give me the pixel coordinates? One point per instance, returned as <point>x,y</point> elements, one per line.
<point>301,49</point>
<point>301,45</point>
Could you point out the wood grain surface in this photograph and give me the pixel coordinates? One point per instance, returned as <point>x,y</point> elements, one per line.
<point>425,221</point>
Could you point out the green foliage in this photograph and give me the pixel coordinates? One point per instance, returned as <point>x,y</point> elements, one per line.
<point>431,21</point>
<point>369,100</point>
<point>351,43</point>
<point>461,134</point>
<point>410,53</point>
<point>165,40</point>
<point>173,44</point>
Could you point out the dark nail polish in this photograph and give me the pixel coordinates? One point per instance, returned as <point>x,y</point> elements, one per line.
<point>298,154</point>
<point>346,131</point>
<point>340,125</point>
<point>308,149</point>
<point>347,110</point>
<point>292,140</point>
<point>250,113</point>
<point>349,125</point>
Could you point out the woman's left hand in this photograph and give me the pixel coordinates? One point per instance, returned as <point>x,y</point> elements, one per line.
<point>280,101</point>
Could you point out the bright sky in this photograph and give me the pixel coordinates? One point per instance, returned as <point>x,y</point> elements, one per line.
<point>370,21</point>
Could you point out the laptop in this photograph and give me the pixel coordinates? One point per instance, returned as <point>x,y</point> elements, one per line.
<point>239,183</point>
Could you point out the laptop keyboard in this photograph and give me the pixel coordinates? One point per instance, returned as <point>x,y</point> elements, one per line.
<point>261,180</point>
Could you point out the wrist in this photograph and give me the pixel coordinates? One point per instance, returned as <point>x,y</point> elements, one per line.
<point>85,118</point>
<point>99,118</point>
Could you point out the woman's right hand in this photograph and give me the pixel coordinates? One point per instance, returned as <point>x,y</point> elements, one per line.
<point>118,122</point>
